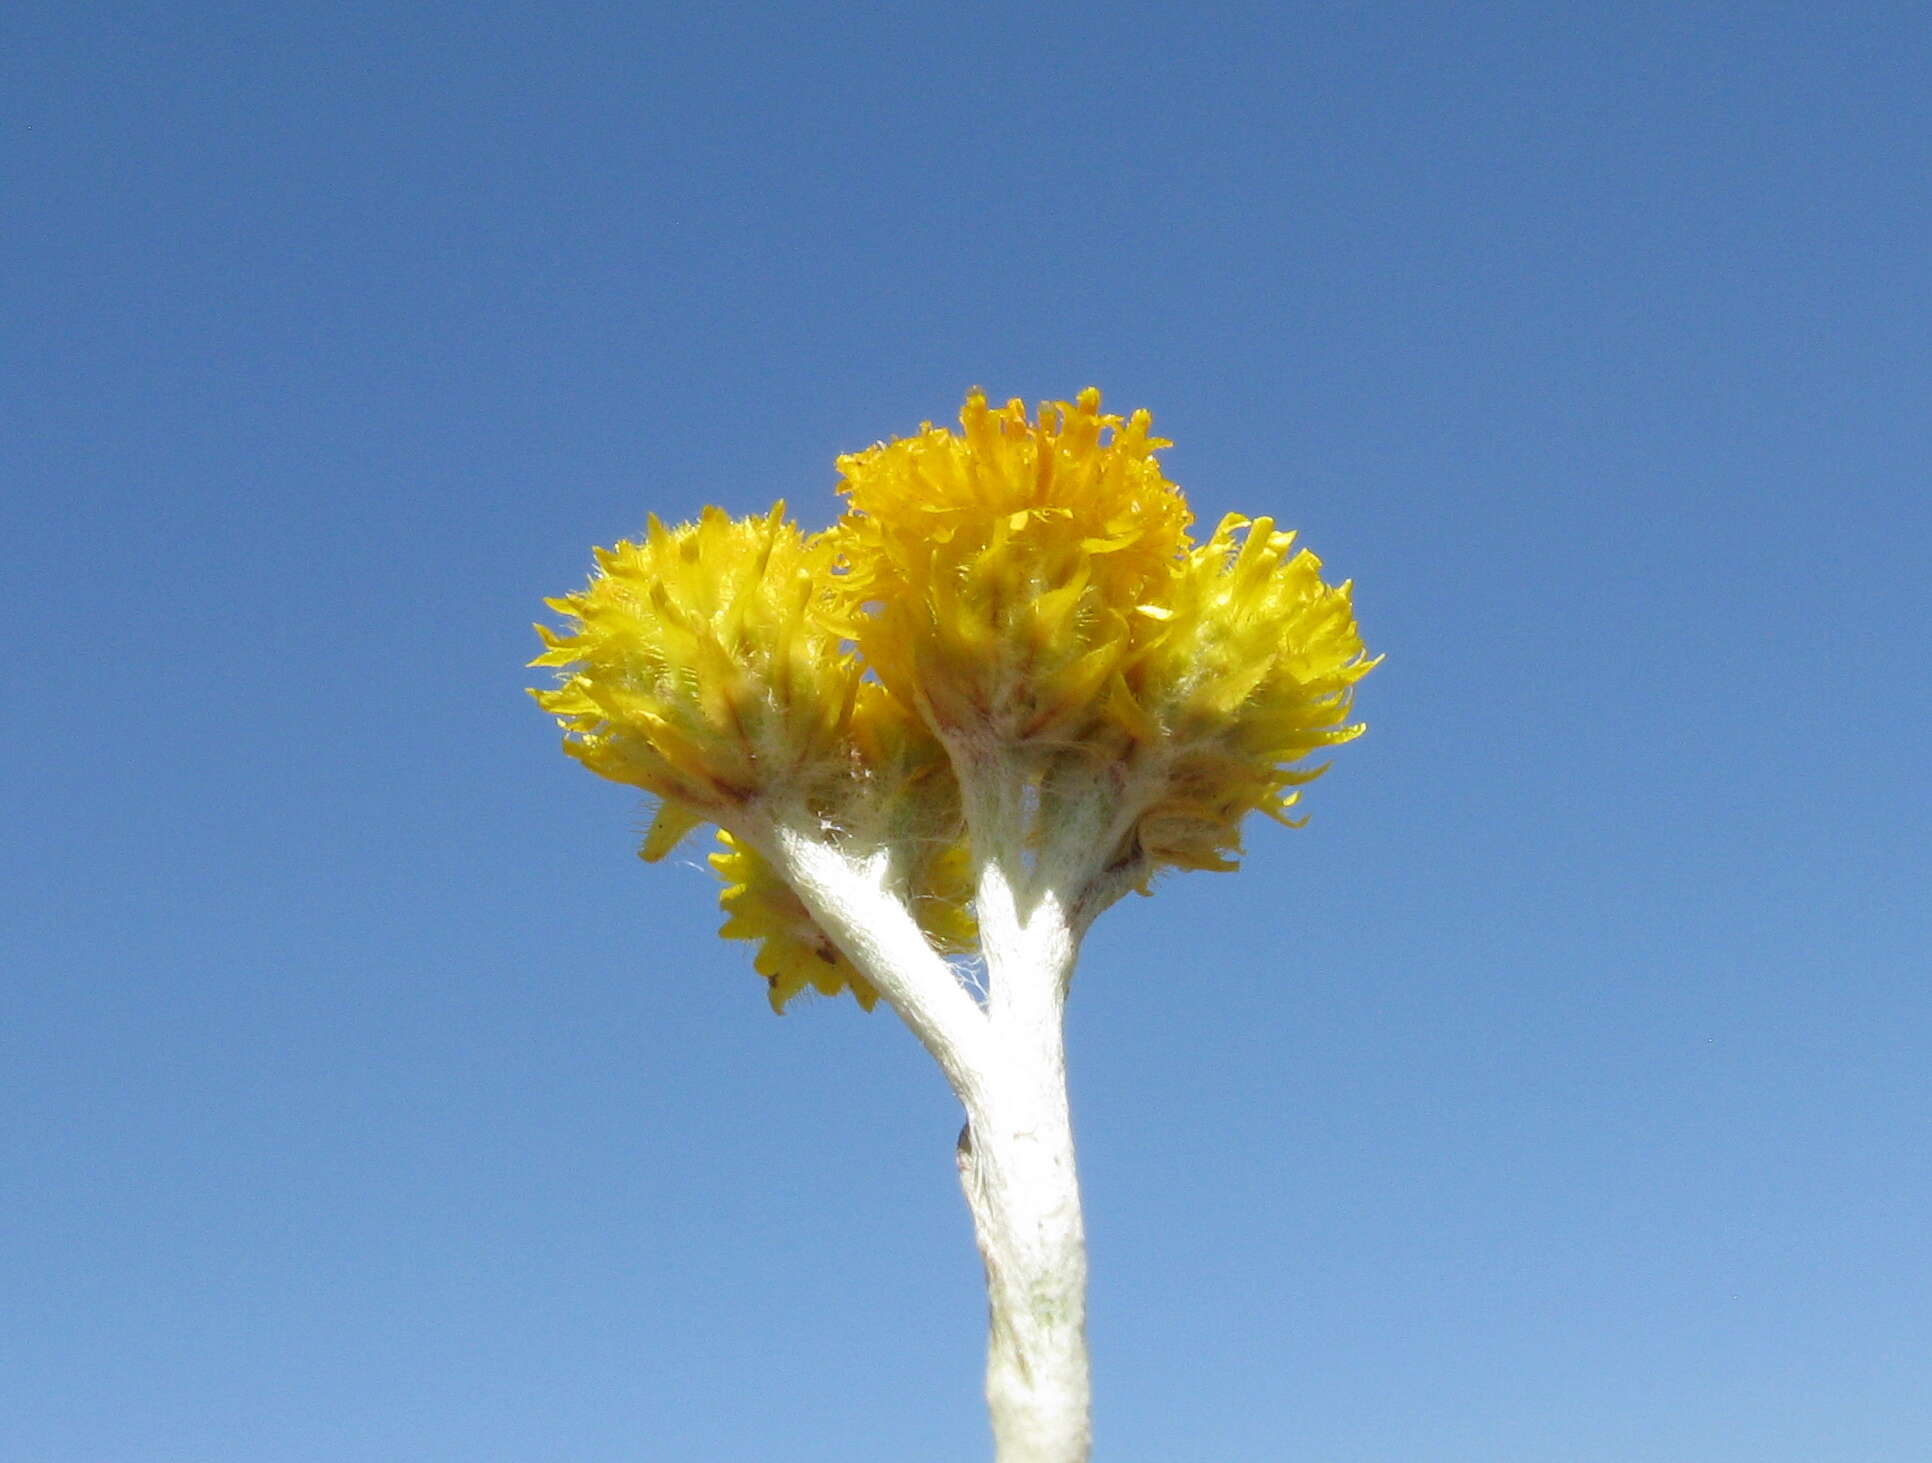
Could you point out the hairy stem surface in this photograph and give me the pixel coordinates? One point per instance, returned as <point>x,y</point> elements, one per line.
<point>1006,1062</point>
<point>1016,1163</point>
<point>1016,1166</point>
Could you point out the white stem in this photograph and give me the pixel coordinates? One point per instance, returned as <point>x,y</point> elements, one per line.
<point>1007,1065</point>
<point>851,898</point>
<point>1016,1163</point>
<point>1016,1166</point>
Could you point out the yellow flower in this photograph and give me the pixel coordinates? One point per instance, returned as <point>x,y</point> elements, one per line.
<point>703,668</point>
<point>1250,669</point>
<point>701,665</point>
<point>993,574</point>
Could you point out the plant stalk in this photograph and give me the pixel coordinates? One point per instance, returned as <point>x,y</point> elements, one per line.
<point>1016,1166</point>
<point>1006,1062</point>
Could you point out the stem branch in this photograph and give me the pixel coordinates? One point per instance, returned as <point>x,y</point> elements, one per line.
<point>1007,1065</point>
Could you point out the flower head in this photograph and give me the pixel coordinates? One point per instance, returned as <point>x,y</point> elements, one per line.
<point>1251,670</point>
<point>994,572</point>
<point>700,666</point>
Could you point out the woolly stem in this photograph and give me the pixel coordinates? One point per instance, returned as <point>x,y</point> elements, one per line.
<point>852,898</point>
<point>1016,1158</point>
<point>1016,1166</point>
<point>1007,1065</point>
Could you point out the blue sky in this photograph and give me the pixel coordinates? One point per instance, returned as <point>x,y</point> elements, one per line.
<point>1559,1094</point>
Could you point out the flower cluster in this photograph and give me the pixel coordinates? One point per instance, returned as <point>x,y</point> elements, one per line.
<point>1023,593</point>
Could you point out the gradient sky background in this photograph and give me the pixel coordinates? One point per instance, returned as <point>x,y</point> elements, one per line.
<point>1559,1095</point>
